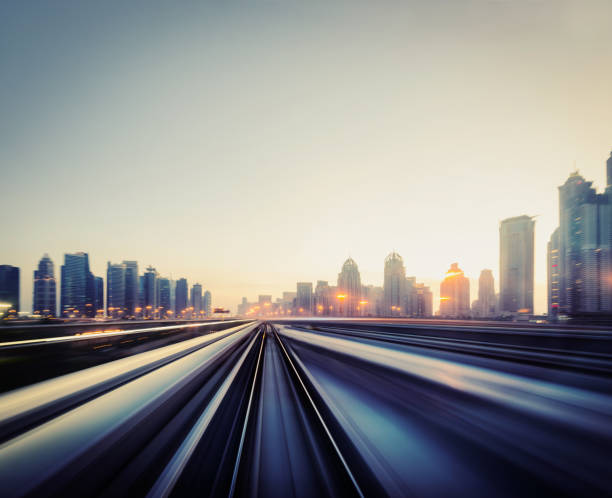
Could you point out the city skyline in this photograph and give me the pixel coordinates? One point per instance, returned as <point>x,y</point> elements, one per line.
<point>421,126</point>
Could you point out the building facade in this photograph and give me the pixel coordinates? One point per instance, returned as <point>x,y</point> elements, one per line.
<point>349,289</point>
<point>487,302</point>
<point>78,287</point>
<point>181,299</point>
<point>553,274</point>
<point>196,299</point>
<point>44,302</point>
<point>516,262</point>
<point>455,294</point>
<point>98,295</point>
<point>422,301</point>
<point>322,304</point>
<point>164,305</point>
<point>131,287</point>
<point>116,290</point>
<point>207,303</point>
<point>304,298</point>
<point>149,292</point>
<point>394,285</point>
<point>9,290</point>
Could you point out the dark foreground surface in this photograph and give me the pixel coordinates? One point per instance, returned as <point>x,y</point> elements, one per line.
<point>316,408</point>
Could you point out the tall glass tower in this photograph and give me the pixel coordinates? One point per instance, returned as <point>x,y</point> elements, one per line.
<point>394,285</point>
<point>349,289</point>
<point>44,300</point>
<point>516,246</point>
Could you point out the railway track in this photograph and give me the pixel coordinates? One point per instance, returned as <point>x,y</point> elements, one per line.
<point>275,410</point>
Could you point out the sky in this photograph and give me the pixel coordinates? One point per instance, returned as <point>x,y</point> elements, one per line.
<point>248,145</point>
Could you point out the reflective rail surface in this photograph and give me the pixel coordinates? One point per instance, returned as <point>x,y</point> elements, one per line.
<point>312,408</point>
<point>26,361</point>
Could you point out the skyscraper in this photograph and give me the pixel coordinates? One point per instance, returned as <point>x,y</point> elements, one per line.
<point>150,292</point>
<point>141,294</point>
<point>375,298</point>
<point>584,243</point>
<point>486,294</point>
<point>554,274</point>
<point>9,290</point>
<point>288,302</point>
<point>164,304</point>
<point>304,298</point>
<point>455,294</point>
<point>322,298</point>
<point>181,293</point>
<point>77,286</point>
<point>394,285</point>
<point>131,287</point>
<point>116,290</point>
<point>98,295</point>
<point>349,289</point>
<point>172,283</point>
<point>422,306</point>
<point>207,303</point>
<point>196,299</point>
<point>410,296</point>
<point>516,255</point>
<point>44,301</point>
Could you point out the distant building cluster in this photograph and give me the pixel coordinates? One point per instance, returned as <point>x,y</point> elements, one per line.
<point>399,296</point>
<point>128,294</point>
<point>403,296</point>
<point>579,273</point>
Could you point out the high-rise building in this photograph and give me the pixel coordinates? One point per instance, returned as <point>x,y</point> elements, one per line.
<point>487,302</point>
<point>78,286</point>
<point>516,256</point>
<point>207,303</point>
<point>196,299</point>
<point>264,304</point>
<point>349,289</point>
<point>164,304</point>
<point>181,299</point>
<point>44,301</point>
<point>304,298</point>
<point>455,294</point>
<point>554,273</point>
<point>116,290</point>
<point>131,287</point>
<point>150,292</point>
<point>287,305</point>
<point>98,295</point>
<point>141,295</point>
<point>422,306</point>
<point>243,307</point>
<point>394,285</point>
<point>373,299</point>
<point>9,290</point>
<point>172,294</point>
<point>584,248</point>
<point>410,296</point>
<point>322,298</point>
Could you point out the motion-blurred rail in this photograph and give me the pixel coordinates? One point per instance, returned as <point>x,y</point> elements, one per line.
<point>312,408</point>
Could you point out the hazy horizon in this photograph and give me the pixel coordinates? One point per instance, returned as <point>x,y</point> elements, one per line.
<point>250,145</point>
